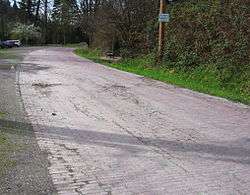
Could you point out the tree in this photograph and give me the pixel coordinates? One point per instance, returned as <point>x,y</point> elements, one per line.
<point>27,9</point>
<point>88,20</point>
<point>26,33</point>
<point>5,10</point>
<point>126,23</point>
<point>64,17</point>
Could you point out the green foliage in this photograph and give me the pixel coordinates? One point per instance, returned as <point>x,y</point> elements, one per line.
<point>64,17</point>
<point>26,33</point>
<point>5,19</point>
<point>90,54</point>
<point>202,33</point>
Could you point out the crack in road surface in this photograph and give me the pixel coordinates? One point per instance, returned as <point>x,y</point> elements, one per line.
<point>119,133</point>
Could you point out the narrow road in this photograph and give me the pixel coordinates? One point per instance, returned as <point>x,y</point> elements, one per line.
<point>111,132</point>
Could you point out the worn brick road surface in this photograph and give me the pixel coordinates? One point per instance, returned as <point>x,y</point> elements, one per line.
<point>111,132</point>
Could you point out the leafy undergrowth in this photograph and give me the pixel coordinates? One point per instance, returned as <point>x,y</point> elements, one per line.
<point>202,78</point>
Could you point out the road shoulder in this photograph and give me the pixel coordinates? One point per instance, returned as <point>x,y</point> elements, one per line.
<point>23,166</point>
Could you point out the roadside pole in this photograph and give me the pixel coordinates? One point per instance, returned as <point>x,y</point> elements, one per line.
<point>162,26</point>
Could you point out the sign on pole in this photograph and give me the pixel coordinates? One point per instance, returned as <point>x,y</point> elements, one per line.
<point>164,17</point>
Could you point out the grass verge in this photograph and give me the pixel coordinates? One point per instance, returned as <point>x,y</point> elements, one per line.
<point>76,45</point>
<point>2,114</point>
<point>5,53</point>
<point>200,79</point>
<point>6,149</point>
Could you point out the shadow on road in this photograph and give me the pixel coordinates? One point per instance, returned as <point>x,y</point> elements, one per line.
<point>219,151</point>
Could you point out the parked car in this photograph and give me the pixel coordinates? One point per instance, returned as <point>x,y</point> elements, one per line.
<point>10,43</point>
<point>17,43</point>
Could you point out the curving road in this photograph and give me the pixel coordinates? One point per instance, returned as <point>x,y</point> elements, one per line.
<point>112,132</point>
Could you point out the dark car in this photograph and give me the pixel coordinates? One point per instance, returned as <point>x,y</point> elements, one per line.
<point>10,43</point>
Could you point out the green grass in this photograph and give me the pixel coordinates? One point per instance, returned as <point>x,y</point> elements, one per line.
<point>4,54</point>
<point>75,45</point>
<point>200,79</point>
<point>2,114</point>
<point>90,54</point>
<point>6,149</point>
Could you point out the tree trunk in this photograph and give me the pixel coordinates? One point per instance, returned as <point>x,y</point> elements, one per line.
<point>37,9</point>
<point>45,21</point>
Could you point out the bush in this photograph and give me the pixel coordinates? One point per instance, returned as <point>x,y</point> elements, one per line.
<point>211,32</point>
<point>28,34</point>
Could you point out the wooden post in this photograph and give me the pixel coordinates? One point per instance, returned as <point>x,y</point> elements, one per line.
<point>162,26</point>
